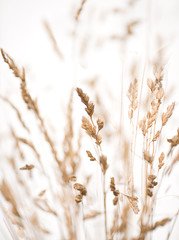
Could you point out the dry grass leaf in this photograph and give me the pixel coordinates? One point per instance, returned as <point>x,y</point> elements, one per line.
<point>17,112</point>
<point>30,144</point>
<point>15,220</point>
<point>157,224</point>
<point>133,203</point>
<point>9,196</point>
<point>115,225</point>
<point>91,215</point>
<point>44,206</point>
<point>17,144</point>
<point>35,222</point>
<point>124,219</point>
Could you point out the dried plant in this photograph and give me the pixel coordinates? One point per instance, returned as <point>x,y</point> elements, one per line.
<point>109,170</point>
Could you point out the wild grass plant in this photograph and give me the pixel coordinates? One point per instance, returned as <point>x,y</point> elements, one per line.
<point>108,177</point>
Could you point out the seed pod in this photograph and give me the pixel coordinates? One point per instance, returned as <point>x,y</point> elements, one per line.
<point>115,201</point>
<point>116,192</point>
<point>112,184</point>
<point>78,198</point>
<point>100,124</point>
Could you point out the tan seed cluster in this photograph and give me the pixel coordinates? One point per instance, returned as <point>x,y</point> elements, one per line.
<point>167,115</point>
<point>83,192</point>
<point>90,156</point>
<point>151,184</point>
<point>78,198</point>
<point>156,136</point>
<point>148,157</point>
<point>132,95</point>
<point>142,126</point>
<point>27,167</point>
<point>112,184</point>
<point>151,85</point>
<point>115,201</point>
<point>85,99</point>
<point>91,130</point>
<point>133,203</point>
<point>161,162</point>
<point>100,124</point>
<point>175,140</point>
<point>104,164</point>
<point>72,178</point>
<point>115,191</point>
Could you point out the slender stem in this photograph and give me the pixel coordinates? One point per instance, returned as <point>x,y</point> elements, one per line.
<point>132,160</point>
<point>105,210</point>
<point>84,229</point>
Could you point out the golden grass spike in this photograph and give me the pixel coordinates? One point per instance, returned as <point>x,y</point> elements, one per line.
<point>100,124</point>
<point>84,97</point>
<point>167,115</point>
<point>161,160</point>
<point>104,164</point>
<point>11,64</point>
<point>90,156</point>
<point>112,184</point>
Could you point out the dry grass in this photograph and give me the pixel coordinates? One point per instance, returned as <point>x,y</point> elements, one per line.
<point>115,196</point>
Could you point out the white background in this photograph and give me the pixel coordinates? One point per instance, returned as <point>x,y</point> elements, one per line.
<point>49,79</point>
